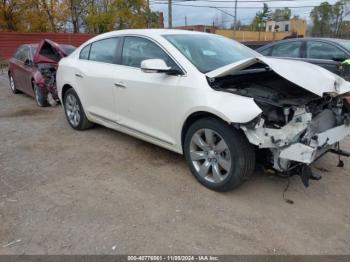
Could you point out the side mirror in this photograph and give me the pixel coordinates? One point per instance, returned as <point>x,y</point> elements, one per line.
<point>339,58</point>
<point>28,62</point>
<point>157,66</point>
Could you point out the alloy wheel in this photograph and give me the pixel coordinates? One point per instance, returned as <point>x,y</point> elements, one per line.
<point>37,95</point>
<point>73,110</point>
<point>12,84</point>
<point>210,155</point>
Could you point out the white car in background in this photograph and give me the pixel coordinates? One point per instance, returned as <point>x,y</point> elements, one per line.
<point>210,98</point>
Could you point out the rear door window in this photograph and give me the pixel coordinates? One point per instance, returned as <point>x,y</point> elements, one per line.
<point>289,49</point>
<point>105,50</point>
<point>22,53</point>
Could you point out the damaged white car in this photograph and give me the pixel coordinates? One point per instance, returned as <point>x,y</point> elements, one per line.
<point>212,99</point>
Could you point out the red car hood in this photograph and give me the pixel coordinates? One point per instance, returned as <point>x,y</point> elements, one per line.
<point>41,55</point>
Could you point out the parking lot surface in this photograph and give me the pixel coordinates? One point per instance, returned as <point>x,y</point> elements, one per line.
<point>103,192</point>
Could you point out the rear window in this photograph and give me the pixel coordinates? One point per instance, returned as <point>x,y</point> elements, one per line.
<point>84,53</point>
<point>68,49</point>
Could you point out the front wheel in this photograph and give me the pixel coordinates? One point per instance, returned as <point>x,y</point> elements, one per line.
<point>13,85</point>
<point>74,111</point>
<point>219,156</point>
<point>40,97</point>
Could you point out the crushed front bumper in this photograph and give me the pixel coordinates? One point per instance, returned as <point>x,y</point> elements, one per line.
<point>320,144</point>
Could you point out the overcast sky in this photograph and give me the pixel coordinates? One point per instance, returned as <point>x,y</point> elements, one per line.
<point>196,15</point>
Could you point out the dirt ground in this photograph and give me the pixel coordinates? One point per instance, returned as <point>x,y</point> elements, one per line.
<point>102,192</point>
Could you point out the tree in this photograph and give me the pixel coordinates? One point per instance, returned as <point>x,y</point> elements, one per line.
<point>77,10</point>
<point>322,17</point>
<point>153,19</point>
<point>281,14</point>
<point>340,11</point>
<point>44,15</point>
<point>95,16</point>
<point>328,19</point>
<point>260,18</point>
<point>9,15</point>
<point>107,15</point>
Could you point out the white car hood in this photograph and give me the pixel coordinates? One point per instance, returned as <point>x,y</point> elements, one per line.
<point>308,76</point>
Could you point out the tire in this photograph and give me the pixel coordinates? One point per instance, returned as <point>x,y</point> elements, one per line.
<point>219,156</point>
<point>13,85</point>
<point>74,111</point>
<point>39,96</point>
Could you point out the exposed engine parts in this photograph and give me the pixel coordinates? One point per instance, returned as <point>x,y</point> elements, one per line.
<point>48,71</point>
<point>296,126</point>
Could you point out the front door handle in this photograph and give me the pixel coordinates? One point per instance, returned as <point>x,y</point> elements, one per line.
<point>119,84</point>
<point>79,75</point>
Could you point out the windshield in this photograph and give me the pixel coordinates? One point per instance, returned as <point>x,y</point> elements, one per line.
<point>209,52</point>
<point>345,43</point>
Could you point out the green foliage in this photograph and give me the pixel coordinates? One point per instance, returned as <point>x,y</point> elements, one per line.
<point>107,15</point>
<point>328,19</point>
<point>260,18</point>
<point>321,17</point>
<point>96,16</point>
<point>281,14</point>
<point>259,21</point>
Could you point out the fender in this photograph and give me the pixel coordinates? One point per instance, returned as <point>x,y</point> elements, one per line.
<point>225,106</point>
<point>68,79</point>
<point>228,107</point>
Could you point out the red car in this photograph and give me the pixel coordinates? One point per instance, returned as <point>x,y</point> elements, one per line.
<point>32,70</point>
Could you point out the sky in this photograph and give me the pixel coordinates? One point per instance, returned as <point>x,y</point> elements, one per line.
<point>196,15</point>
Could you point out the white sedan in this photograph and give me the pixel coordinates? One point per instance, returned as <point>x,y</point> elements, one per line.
<point>212,99</point>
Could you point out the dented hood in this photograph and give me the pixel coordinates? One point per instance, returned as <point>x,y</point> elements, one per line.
<point>308,76</point>
<point>41,57</point>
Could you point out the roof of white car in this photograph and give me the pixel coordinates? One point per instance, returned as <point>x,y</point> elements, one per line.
<point>148,32</point>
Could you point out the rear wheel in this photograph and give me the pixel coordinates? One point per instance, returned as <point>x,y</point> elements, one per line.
<point>74,111</point>
<point>13,85</point>
<point>40,97</point>
<point>219,156</point>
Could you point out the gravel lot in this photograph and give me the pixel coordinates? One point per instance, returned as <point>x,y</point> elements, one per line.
<point>102,192</point>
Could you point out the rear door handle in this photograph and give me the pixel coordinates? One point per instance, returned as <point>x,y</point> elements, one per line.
<point>79,75</point>
<point>119,84</point>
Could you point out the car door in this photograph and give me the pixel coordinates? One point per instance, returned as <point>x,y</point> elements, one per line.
<point>28,67</point>
<point>19,69</point>
<point>146,101</point>
<point>96,75</point>
<point>325,55</point>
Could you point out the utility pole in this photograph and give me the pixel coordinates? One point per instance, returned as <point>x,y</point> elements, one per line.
<point>235,21</point>
<point>148,14</point>
<point>186,22</point>
<point>170,14</point>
